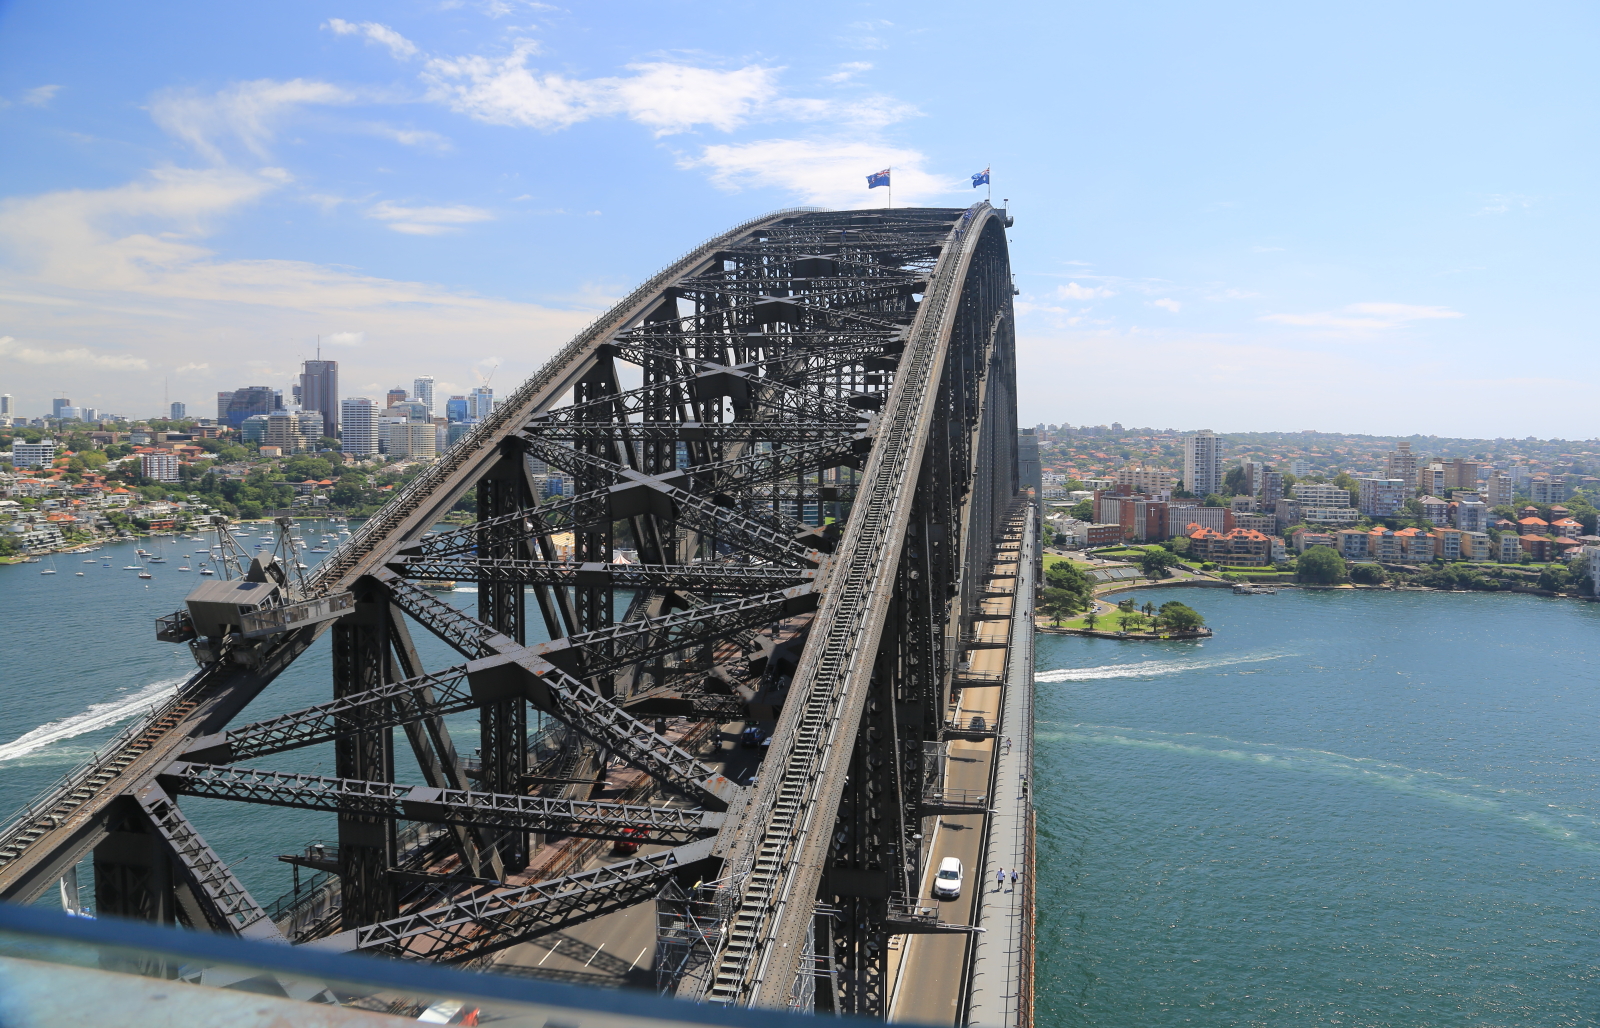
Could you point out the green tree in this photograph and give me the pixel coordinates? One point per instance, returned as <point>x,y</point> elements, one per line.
<point>1126,606</point>
<point>1236,482</point>
<point>1555,578</point>
<point>1367,574</point>
<point>1131,621</point>
<point>1066,576</point>
<point>1060,603</point>
<point>1091,619</point>
<point>1180,617</point>
<point>1154,562</point>
<point>1321,565</point>
<point>1083,510</point>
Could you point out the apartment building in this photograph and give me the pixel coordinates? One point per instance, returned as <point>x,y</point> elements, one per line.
<point>1403,464</point>
<point>1266,524</point>
<point>1416,546</point>
<point>163,467</point>
<point>1384,544</point>
<point>1142,520</point>
<point>1477,546</point>
<point>1446,543</point>
<point>1144,480</point>
<point>1435,509</point>
<point>1471,515</point>
<point>1180,518</point>
<point>1312,494</point>
<point>1567,528</point>
<point>1305,538</point>
<point>1202,462</point>
<point>1381,497</point>
<point>1240,547</point>
<point>1461,474</point>
<point>1500,490</point>
<point>1352,544</point>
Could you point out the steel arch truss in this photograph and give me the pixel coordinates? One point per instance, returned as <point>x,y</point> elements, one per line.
<point>760,485</point>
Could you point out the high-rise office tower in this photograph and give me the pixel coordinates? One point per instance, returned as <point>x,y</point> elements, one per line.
<point>56,405</point>
<point>359,416</point>
<point>480,402</point>
<point>422,389</point>
<point>455,409</point>
<point>396,395</point>
<point>5,405</point>
<point>1202,463</point>
<point>234,407</point>
<point>178,411</point>
<point>319,391</point>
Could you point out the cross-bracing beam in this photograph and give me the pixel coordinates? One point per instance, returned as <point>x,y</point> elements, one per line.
<point>705,576</point>
<point>482,924</point>
<point>592,819</point>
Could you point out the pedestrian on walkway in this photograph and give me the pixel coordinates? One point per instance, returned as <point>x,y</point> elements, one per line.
<point>1008,744</point>
<point>1013,878</point>
<point>999,879</point>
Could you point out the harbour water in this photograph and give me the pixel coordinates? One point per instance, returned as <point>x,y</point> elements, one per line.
<point>80,660</point>
<point>1344,809</point>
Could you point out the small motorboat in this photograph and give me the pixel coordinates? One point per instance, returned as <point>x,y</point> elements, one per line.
<point>183,569</point>
<point>134,567</point>
<point>79,574</point>
<point>146,574</point>
<point>92,560</point>
<point>48,571</point>
<point>207,571</point>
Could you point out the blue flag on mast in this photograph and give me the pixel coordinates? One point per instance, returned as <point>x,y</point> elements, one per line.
<point>980,179</point>
<point>879,179</point>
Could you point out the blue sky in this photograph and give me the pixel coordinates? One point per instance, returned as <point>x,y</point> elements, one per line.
<point>1376,218</point>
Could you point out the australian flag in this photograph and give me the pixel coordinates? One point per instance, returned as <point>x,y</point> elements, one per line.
<point>879,179</point>
<point>980,179</point>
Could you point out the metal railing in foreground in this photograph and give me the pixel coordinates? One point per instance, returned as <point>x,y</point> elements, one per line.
<point>56,969</point>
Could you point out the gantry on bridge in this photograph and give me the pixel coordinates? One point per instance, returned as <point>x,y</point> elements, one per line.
<point>806,428</point>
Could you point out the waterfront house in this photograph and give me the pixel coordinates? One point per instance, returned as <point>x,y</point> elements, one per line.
<point>1477,546</point>
<point>1241,546</point>
<point>1384,544</point>
<point>1447,542</point>
<point>1510,547</point>
<point>1304,538</point>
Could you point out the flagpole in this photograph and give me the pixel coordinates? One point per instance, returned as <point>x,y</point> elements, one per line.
<point>988,185</point>
<point>890,204</point>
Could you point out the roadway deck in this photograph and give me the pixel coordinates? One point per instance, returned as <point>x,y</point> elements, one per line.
<point>932,981</point>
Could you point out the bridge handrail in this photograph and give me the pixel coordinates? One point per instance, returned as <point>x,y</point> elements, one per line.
<point>377,527</point>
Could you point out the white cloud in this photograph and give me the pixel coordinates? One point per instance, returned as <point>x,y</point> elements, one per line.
<point>78,357</point>
<point>427,221</point>
<point>830,173</point>
<point>1503,203</point>
<point>848,71</point>
<point>112,283</point>
<point>668,98</point>
<point>672,98</point>
<point>40,96</point>
<point>1364,316</point>
<point>1167,304</point>
<point>342,338</point>
<point>420,138</point>
<point>1074,291</point>
<point>399,46</point>
<point>246,111</point>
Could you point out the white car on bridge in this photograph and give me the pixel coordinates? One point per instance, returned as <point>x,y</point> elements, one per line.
<point>947,881</point>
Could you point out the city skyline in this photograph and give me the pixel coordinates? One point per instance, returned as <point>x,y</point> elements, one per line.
<point>463,187</point>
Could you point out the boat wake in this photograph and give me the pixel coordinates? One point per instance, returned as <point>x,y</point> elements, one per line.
<point>1563,823</point>
<point>1150,668</point>
<point>98,716</point>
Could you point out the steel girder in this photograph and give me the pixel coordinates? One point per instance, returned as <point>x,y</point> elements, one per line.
<point>449,691</point>
<point>588,818</point>
<point>637,494</point>
<point>224,901</point>
<point>482,924</point>
<point>708,576</point>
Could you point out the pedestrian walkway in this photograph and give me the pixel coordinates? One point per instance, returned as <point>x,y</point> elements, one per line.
<point>1001,993</point>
